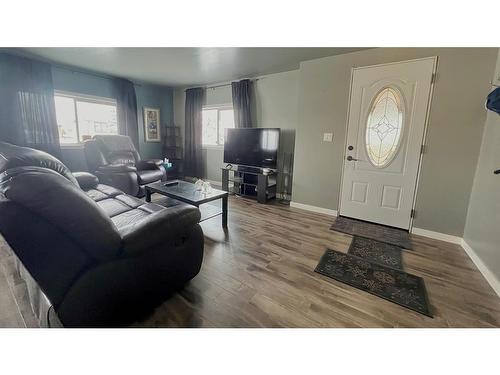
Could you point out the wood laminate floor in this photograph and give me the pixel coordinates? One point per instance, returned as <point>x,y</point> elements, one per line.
<point>260,273</point>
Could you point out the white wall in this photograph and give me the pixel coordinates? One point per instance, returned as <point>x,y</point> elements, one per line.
<point>482,229</point>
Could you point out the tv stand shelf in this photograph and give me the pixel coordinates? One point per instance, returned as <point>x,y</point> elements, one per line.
<point>250,183</point>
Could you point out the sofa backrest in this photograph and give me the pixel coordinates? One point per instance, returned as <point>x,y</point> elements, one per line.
<point>12,156</point>
<point>65,206</point>
<point>117,149</point>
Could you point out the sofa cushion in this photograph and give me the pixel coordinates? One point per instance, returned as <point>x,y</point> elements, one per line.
<point>130,201</point>
<point>113,207</point>
<point>148,176</point>
<point>96,195</point>
<point>129,217</point>
<point>109,190</point>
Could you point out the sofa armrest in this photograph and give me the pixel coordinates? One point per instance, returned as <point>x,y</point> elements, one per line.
<point>151,164</point>
<point>158,227</point>
<point>86,180</point>
<point>116,168</point>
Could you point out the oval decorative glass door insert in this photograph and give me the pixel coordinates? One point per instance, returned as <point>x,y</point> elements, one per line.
<point>384,127</point>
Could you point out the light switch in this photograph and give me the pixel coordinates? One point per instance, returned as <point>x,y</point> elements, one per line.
<point>328,137</point>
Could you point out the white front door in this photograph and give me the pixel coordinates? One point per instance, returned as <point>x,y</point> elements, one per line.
<point>385,133</point>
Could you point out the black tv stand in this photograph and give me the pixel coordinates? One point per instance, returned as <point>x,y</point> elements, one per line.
<point>244,168</point>
<point>250,182</point>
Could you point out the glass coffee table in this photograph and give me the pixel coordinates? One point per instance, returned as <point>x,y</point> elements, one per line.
<point>187,192</point>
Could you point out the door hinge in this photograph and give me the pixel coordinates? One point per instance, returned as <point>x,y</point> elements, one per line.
<point>433,77</point>
<point>422,149</point>
<point>412,213</point>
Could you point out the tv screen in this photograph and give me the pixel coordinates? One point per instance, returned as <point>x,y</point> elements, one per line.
<point>256,147</point>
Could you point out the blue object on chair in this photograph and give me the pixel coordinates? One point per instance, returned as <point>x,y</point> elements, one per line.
<point>493,101</point>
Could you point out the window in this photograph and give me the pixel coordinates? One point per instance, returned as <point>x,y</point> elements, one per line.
<point>384,126</point>
<point>81,117</point>
<point>215,121</point>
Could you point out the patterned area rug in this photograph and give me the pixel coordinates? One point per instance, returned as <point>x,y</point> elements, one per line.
<point>388,283</point>
<point>377,232</point>
<point>377,252</point>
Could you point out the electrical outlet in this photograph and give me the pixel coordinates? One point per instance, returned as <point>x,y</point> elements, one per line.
<point>328,137</point>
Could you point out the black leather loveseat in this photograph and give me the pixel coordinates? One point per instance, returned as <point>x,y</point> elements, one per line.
<point>116,162</point>
<point>101,257</point>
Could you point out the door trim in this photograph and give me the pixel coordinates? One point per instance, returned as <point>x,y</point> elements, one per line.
<point>424,136</point>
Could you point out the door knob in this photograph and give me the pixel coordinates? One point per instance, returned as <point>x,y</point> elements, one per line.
<point>350,158</point>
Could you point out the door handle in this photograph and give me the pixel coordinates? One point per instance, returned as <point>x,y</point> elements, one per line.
<point>350,158</point>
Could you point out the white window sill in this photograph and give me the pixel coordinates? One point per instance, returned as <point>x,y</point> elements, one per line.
<point>72,146</point>
<point>212,147</point>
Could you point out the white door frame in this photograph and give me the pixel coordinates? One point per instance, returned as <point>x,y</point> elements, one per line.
<point>424,137</point>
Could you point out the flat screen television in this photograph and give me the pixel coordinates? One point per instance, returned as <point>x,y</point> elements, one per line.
<point>255,147</point>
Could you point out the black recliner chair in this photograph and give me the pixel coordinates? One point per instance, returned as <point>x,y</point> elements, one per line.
<point>116,162</point>
<point>98,257</point>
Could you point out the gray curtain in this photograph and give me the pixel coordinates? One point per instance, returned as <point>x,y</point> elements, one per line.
<point>242,91</point>
<point>193,133</point>
<point>127,110</point>
<point>27,108</point>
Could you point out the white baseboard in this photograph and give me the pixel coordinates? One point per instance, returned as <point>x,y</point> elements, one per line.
<point>485,271</point>
<point>319,210</point>
<point>437,235</point>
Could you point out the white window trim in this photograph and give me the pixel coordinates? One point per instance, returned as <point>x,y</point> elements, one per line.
<point>82,98</point>
<point>86,98</point>
<point>212,147</point>
<point>218,107</point>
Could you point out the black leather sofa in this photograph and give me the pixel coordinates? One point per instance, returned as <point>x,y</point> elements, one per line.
<point>116,162</point>
<point>101,257</point>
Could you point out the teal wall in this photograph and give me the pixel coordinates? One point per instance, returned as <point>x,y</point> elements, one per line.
<point>88,83</point>
<point>159,97</point>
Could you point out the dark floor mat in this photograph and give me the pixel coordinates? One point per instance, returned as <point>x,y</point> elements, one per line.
<point>388,283</point>
<point>377,252</point>
<point>382,233</point>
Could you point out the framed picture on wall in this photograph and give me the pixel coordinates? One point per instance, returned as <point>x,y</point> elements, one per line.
<point>152,124</point>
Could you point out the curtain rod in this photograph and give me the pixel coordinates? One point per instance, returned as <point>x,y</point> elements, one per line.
<point>221,85</point>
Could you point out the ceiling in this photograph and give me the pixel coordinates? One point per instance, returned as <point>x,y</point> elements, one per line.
<point>183,66</point>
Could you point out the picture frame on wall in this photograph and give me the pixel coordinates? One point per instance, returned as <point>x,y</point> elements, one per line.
<point>152,124</point>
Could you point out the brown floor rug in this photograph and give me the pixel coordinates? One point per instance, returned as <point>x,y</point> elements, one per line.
<point>377,232</point>
<point>377,252</point>
<point>393,285</point>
